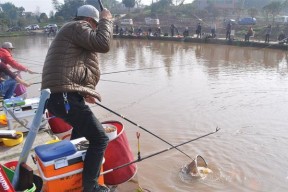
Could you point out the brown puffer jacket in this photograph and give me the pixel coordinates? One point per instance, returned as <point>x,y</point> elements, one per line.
<point>71,64</point>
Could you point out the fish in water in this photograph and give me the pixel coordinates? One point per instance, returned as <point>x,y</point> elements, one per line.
<point>198,168</point>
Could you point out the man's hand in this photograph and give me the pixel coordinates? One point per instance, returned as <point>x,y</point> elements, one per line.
<point>90,99</point>
<point>21,81</point>
<point>105,14</point>
<point>31,72</point>
<point>26,84</point>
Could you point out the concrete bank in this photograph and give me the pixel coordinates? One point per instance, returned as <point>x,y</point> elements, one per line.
<point>217,41</point>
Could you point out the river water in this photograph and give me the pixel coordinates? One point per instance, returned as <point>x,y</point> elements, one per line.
<point>187,90</point>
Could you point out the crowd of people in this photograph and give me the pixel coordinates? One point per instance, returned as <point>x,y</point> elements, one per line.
<point>174,31</point>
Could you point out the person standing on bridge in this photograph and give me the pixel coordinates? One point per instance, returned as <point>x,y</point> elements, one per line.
<point>228,31</point>
<point>268,33</point>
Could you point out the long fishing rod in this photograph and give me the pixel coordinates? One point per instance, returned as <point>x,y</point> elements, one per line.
<point>147,68</point>
<point>157,153</point>
<point>141,128</point>
<point>281,41</point>
<point>102,80</point>
<point>101,5</point>
<point>120,82</point>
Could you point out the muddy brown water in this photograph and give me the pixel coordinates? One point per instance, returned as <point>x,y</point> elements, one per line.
<point>189,90</point>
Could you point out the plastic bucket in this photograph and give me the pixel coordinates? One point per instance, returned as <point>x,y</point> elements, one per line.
<point>9,172</point>
<point>32,189</point>
<point>58,125</point>
<point>38,182</point>
<point>118,152</point>
<point>11,165</point>
<point>64,135</point>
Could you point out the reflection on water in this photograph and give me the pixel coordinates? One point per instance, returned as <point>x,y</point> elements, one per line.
<point>184,91</point>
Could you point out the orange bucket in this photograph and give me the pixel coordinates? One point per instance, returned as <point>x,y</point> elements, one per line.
<point>118,152</point>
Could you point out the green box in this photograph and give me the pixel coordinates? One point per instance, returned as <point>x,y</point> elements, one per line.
<point>13,102</point>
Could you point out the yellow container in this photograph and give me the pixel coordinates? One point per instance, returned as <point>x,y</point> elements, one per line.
<point>3,119</point>
<point>53,141</point>
<point>12,142</point>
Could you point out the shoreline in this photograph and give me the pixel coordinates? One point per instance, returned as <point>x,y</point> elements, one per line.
<point>216,41</point>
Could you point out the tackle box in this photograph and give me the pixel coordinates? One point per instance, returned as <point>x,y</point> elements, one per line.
<point>24,112</point>
<point>60,166</point>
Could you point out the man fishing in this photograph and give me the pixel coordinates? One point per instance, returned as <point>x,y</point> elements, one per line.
<point>6,57</point>
<point>8,85</point>
<point>71,72</point>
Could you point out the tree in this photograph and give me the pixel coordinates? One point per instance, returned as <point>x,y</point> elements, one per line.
<point>253,12</point>
<point>21,22</point>
<point>273,8</point>
<point>69,9</point>
<point>129,3</point>
<point>212,10</point>
<point>57,5</point>
<point>11,13</point>
<point>43,17</point>
<point>138,3</point>
<point>51,14</point>
<point>161,6</point>
<point>93,2</point>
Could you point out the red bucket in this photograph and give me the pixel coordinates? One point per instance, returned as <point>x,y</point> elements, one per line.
<point>11,165</point>
<point>118,152</point>
<point>58,125</point>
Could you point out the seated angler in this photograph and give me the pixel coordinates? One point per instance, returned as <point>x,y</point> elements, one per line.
<point>8,85</point>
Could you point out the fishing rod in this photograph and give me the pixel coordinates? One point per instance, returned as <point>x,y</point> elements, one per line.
<point>101,5</point>
<point>159,152</point>
<point>119,115</point>
<point>102,80</point>
<point>34,127</point>
<point>281,41</point>
<point>120,82</point>
<point>124,71</point>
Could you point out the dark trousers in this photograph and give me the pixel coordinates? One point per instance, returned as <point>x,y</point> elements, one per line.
<point>228,33</point>
<point>267,38</point>
<point>247,37</point>
<point>84,124</point>
<point>7,88</point>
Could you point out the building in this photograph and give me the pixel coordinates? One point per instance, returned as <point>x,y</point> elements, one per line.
<point>220,4</point>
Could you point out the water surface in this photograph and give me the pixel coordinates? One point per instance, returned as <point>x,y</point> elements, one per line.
<point>189,90</point>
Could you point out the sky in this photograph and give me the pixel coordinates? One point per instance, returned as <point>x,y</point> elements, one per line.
<point>31,5</point>
<point>46,5</point>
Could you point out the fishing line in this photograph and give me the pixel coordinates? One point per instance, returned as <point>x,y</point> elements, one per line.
<point>100,80</point>
<point>121,82</point>
<point>29,60</point>
<point>157,153</point>
<point>282,41</point>
<point>140,127</point>
<point>135,102</point>
<point>131,70</point>
<point>38,62</point>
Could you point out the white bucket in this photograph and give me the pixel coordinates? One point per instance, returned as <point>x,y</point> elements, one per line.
<point>110,130</point>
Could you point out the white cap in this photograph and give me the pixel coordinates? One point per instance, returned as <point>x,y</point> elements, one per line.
<point>7,45</point>
<point>88,11</point>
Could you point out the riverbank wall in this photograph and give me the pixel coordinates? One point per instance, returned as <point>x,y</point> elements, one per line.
<point>207,40</point>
